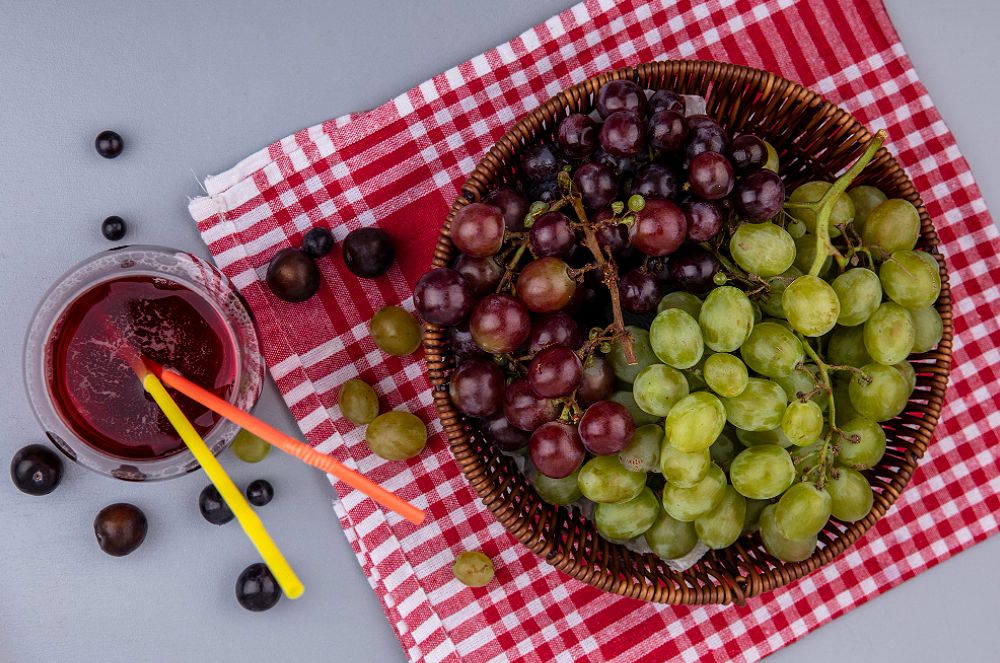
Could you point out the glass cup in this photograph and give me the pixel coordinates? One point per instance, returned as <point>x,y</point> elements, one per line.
<point>182,268</point>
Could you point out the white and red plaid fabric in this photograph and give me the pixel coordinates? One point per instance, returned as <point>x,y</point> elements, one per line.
<point>401,165</point>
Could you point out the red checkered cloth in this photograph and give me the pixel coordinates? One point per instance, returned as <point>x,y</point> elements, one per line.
<point>401,165</point>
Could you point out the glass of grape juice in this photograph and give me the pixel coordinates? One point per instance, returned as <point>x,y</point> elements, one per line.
<point>175,309</point>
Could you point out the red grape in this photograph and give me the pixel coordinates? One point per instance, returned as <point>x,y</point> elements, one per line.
<point>704,219</point>
<point>526,409</point>
<point>502,434</point>
<point>512,205</point>
<point>477,387</point>
<point>692,270</point>
<point>606,428</point>
<point>623,134</point>
<point>639,291</point>
<point>705,135</point>
<point>666,100</point>
<point>620,95</point>
<point>659,228</point>
<point>577,135</point>
<point>461,342</point>
<point>551,235</point>
<point>667,130</point>
<point>500,324</point>
<point>556,449</point>
<point>759,195</point>
<point>596,183</point>
<point>477,230</point>
<point>539,162</point>
<point>656,181</point>
<point>597,381</point>
<point>443,296</point>
<point>748,153</point>
<point>554,329</point>
<point>555,372</point>
<point>711,176</point>
<point>545,285</point>
<point>483,274</point>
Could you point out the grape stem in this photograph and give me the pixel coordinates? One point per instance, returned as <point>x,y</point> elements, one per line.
<point>829,449</point>
<point>508,274</point>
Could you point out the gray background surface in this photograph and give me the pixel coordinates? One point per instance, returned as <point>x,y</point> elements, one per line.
<point>194,87</point>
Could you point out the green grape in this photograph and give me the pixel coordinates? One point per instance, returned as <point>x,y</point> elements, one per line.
<point>762,472</point>
<point>670,538</point>
<point>683,469</point>
<point>811,305</point>
<point>859,293</point>
<point>642,454</point>
<point>657,388</point>
<point>764,249</point>
<point>796,228</point>
<point>558,491</point>
<point>785,549</point>
<point>685,301</point>
<point>802,381</point>
<point>358,402</point>
<point>249,448</point>
<point>889,334</point>
<point>906,369</point>
<point>847,347</point>
<point>643,354</point>
<point>805,254</point>
<point>695,421</point>
<point>396,435</point>
<point>865,198</point>
<point>927,328</point>
<point>911,278</point>
<point>772,350</point>
<point>758,313</point>
<point>724,450</point>
<point>676,338</point>
<point>850,495</point>
<point>725,374</point>
<point>626,399</point>
<point>770,302</point>
<point>772,157</point>
<point>726,318</point>
<point>473,568</point>
<point>687,504</point>
<point>721,526</point>
<point>868,450</point>
<point>892,226</point>
<point>627,520</point>
<point>879,393</point>
<point>811,192</point>
<point>759,407</point>
<point>395,331</point>
<point>802,423</point>
<point>842,398</point>
<point>751,522</point>
<point>756,438</point>
<point>603,479</point>
<point>802,511</point>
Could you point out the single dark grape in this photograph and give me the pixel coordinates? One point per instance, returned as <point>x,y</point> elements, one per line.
<point>596,183</point>
<point>502,434</point>
<point>578,135</point>
<point>545,285</point>
<point>748,153</point>
<point>525,409</point>
<point>317,242</point>
<point>639,291</point>
<point>461,343</point>
<point>710,176</point>
<point>655,180</point>
<point>554,329</point>
<point>551,235</point>
<point>260,492</point>
<point>759,195</point>
<point>213,508</point>
<point>256,588</point>
<point>477,387</point>
<point>512,205</point>
<point>555,372</point>
<point>120,528</point>
<point>659,228</point>
<point>539,163</point>
<point>667,130</point>
<point>597,381</point>
<point>477,230</point>
<point>113,228</point>
<point>500,324</point>
<point>443,296</point>
<point>623,134</point>
<point>483,274</point>
<point>556,449</point>
<point>666,100</point>
<point>368,252</point>
<point>620,95</point>
<point>606,428</point>
<point>613,237</point>
<point>704,219</point>
<point>109,144</point>
<point>705,135</point>
<point>293,276</point>
<point>36,469</point>
<point>545,191</point>
<point>693,269</point>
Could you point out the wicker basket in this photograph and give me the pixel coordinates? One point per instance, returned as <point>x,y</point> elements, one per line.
<point>815,139</point>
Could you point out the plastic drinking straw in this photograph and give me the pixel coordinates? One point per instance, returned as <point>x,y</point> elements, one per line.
<point>289,445</point>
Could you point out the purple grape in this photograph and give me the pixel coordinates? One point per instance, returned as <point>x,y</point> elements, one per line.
<point>623,134</point>
<point>759,195</point>
<point>545,190</point>
<point>620,95</point>
<point>597,381</point>
<point>639,291</point>
<point>620,166</point>
<point>667,130</point>
<point>554,329</point>
<point>704,219</point>
<point>748,153</point>
<point>577,135</point>
<point>710,176</point>
<point>477,387</point>
<point>461,342</point>
<point>477,230</point>
<point>551,235</point>
<point>659,228</point>
<point>656,181</point>
<point>606,428</point>
<point>692,270</point>
<point>705,135</point>
<point>597,185</point>
<point>666,100</point>
<point>500,324</point>
<point>539,163</point>
<point>512,205</point>
<point>556,449</point>
<point>483,274</point>
<point>502,434</point>
<point>555,372</point>
<point>442,296</point>
<point>545,285</point>
<point>613,237</point>
<point>525,409</point>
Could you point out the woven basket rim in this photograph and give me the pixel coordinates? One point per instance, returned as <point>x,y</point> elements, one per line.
<point>740,571</point>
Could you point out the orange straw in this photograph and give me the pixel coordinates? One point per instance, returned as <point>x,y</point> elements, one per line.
<point>289,445</point>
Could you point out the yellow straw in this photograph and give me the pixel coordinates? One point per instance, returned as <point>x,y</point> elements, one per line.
<point>252,525</point>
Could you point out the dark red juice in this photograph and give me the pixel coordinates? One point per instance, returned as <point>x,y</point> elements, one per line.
<point>98,394</point>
